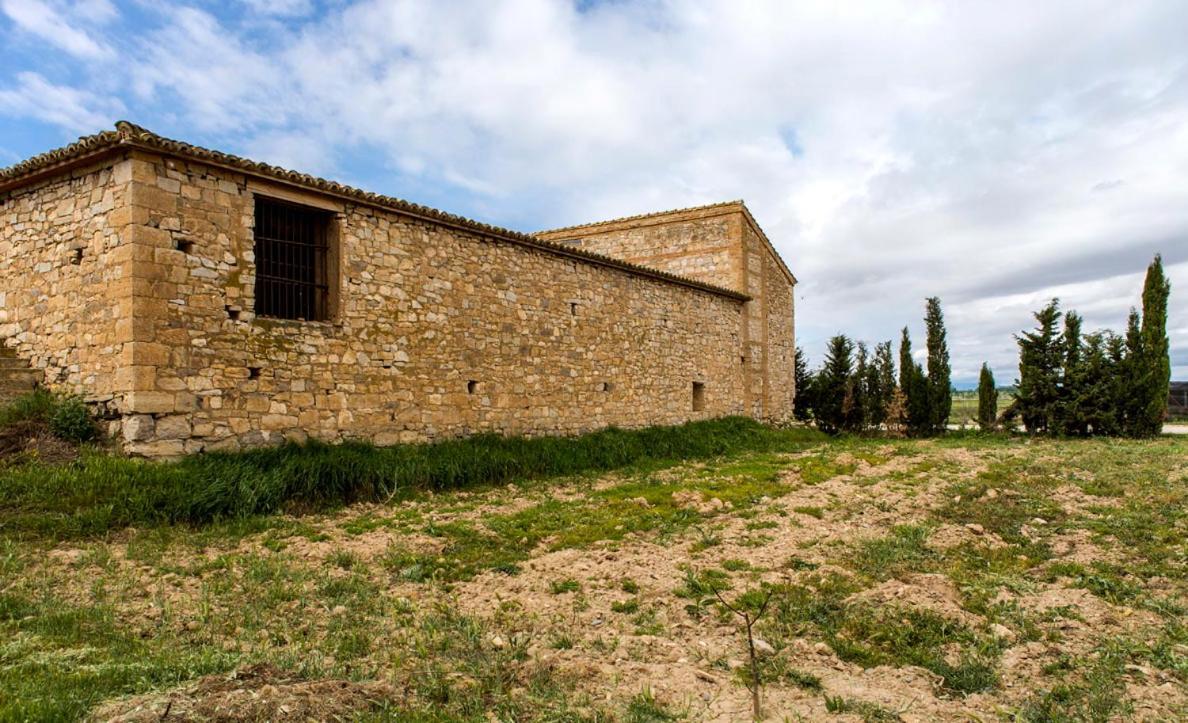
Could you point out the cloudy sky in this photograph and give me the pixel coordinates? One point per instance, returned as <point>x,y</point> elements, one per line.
<point>993,154</point>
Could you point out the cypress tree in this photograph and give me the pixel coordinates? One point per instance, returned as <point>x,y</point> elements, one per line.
<point>1154,365</point>
<point>1116,385</point>
<point>858,411</point>
<point>882,381</point>
<point>905,360</point>
<point>1073,408</point>
<point>802,408</point>
<point>940,390</point>
<point>987,399</point>
<point>832,385</point>
<point>1040,357</point>
<point>1133,367</point>
<point>1101,386</point>
<point>919,408</point>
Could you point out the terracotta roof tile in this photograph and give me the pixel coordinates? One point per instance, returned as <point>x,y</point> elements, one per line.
<point>639,217</point>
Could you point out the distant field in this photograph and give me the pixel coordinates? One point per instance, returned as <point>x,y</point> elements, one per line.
<point>965,406</point>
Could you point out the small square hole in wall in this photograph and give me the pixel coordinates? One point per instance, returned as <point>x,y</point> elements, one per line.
<point>76,259</point>
<point>232,313</point>
<point>186,246</point>
<point>698,396</point>
<point>573,308</point>
<point>605,386</point>
<point>253,372</point>
<point>472,387</point>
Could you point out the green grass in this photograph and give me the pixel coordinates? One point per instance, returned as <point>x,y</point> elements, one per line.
<point>870,635</point>
<point>904,550</point>
<point>818,468</point>
<point>609,514</point>
<point>101,493</point>
<point>58,660</point>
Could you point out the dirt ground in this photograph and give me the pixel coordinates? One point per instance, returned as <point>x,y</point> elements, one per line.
<point>911,581</point>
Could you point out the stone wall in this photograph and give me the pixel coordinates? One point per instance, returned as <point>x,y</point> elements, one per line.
<point>700,244</point>
<point>437,332</point>
<point>65,286</point>
<point>722,245</point>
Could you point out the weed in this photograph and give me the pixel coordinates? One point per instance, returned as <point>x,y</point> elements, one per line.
<point>644,708</point>
<point>647,622</point>
<point>1094,691</point>
<point>627,607</point>
<point>561,641</point>
<point>343,559</point>
<point>706,538</point>
<point>701,584</point>
<point>797,563</point>
<point>869,712</point>
<point>559,587</point>
<point>801,679</point>
<point>904,550</point>
<point>60,659</point>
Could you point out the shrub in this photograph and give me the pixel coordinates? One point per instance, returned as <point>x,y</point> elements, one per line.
<point>71,420</point>
<point>67,417</point>
<point>35,406</point>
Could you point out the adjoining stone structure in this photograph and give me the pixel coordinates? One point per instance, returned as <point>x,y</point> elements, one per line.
<point>723,245</point>
<point>130,267</point>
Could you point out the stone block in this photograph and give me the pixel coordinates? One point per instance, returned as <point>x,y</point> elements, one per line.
<point>138,428</point>
<point>146,402</point>
<point>176,426</point>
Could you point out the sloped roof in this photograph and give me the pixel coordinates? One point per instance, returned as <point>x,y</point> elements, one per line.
<point>130,136</point>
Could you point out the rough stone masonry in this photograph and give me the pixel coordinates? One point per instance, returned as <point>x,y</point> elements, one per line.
<point>202,301</point>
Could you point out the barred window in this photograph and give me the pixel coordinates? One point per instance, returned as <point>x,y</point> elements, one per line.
<point>291,249</point>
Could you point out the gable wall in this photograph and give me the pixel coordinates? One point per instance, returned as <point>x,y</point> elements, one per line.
<point>65,279</point>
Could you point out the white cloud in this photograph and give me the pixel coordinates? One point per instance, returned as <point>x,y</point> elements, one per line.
<point>76,110</point>
<point>994,155</point>
<point>211,77</point>
<point>56,23</point>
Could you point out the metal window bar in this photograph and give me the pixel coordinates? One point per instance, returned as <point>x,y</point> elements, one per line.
<point>291,248</point>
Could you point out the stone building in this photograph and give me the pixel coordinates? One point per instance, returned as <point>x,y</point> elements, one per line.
<point>203,301</point>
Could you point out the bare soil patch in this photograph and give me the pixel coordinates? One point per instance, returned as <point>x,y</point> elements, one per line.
<point>258,693</point>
